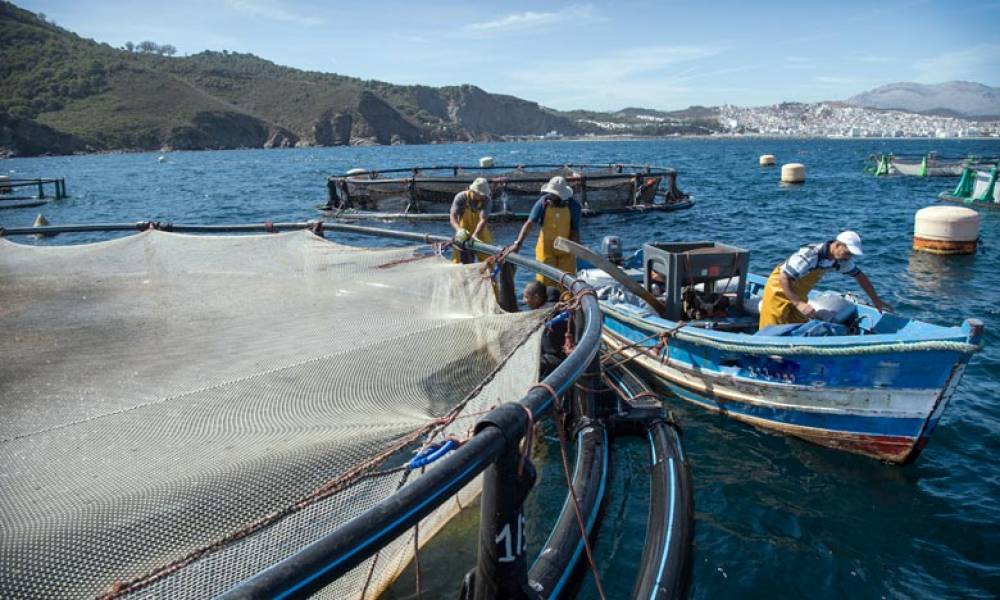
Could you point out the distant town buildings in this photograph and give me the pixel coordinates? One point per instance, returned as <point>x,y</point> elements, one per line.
<point>829,119</point>
<point>796,119</point>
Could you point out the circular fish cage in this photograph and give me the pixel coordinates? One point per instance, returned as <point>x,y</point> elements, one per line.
<point>427,192</point>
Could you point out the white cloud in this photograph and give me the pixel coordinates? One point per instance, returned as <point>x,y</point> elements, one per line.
<point>978,63</point>
<point>529,21</point>
<point>830,80</point>
<point>648,76</point>
<point>268,9</point>
<point>875,59</point>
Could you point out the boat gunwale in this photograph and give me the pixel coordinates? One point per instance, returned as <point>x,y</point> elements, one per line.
<point>962,334</point>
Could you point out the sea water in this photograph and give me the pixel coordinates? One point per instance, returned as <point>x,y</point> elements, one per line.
<point>775,517</point>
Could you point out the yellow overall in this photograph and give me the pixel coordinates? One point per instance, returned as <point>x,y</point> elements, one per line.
<point>555,223</point>
<point>470,220</point>
<point>777,308</point>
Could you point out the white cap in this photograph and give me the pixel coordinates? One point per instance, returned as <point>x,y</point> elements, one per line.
<point>557,185</point>
<point>480,186</point>
<point>852,240</point>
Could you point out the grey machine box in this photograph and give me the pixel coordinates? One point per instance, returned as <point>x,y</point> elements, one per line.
<point>684,264</point>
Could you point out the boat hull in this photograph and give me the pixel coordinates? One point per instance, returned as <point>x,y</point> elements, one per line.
<point>887,421</point>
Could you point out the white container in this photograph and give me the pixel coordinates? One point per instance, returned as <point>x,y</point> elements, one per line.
<point>793,173</point>
<point>946,230</point>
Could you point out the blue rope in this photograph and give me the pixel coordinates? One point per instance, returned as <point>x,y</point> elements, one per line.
<point>431,454</point>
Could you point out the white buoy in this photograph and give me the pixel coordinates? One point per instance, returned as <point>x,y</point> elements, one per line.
<point>486,162</point>
<point>5,184</point>
<point>767,160</point>
<point>946,230</point>
<point>162,159</point>
<point>41,221</point>
<point>793,173</point>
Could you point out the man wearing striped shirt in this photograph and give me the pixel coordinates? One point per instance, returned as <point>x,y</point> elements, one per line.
<point>789,284</point>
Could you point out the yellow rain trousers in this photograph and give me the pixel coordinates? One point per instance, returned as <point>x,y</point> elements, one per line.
<point>556,223</point>
<point>470,220</point>
<point>777,308</point>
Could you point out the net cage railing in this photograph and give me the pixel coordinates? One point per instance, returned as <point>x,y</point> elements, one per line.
<point>331,535</point>
<point>12,188</point>
<point>418,189</point>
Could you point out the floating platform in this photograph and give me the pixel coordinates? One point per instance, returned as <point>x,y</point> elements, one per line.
<point>977,189</point>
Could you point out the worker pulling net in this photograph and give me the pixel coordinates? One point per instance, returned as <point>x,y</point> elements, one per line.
<point>181,412</point>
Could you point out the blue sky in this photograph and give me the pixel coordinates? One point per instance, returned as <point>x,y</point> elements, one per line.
<point>665,54</point>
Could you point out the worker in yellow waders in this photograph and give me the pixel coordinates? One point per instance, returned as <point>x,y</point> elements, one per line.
<point>558,215</point>
<point>790,282</point>
<point>470,211</point>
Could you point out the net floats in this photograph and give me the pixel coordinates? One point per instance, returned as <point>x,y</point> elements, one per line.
<point>766,160</point>
<point>793,173</point>
<point>946,230</point>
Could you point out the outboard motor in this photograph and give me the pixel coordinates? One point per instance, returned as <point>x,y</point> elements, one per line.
<point>611,247</point>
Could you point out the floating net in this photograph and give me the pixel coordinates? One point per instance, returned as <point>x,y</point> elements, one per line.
<point>598,188</point>
<point>180,412</point>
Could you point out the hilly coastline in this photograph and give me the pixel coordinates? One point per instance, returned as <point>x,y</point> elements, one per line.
<point>64,94</point>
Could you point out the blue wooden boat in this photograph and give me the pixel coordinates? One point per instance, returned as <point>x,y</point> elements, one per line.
<point>878,390</point>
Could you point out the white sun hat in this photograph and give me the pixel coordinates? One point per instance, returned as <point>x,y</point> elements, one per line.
<point>557,185</point>
<point>480,186</point>
<point>852,240</point>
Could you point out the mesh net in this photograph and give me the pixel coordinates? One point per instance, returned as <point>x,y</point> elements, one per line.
<point>431,190</point>
<point>169,401</point>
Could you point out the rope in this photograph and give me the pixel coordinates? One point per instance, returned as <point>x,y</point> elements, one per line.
<point>436,250</point>
<point>528,437</point>
<point>561,430</point>
<point>661,348</point>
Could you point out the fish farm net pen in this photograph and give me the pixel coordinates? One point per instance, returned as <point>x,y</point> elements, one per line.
<point>262,397</point>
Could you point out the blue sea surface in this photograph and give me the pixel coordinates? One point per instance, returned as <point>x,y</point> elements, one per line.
<point>775,517</point>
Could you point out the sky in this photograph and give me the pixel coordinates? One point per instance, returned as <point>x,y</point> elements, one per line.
<point>665,54</point>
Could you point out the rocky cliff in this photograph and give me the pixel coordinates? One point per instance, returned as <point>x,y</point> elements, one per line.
<point>478,111</point>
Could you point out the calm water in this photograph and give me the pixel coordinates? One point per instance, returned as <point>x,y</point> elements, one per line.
<point>775,516</point>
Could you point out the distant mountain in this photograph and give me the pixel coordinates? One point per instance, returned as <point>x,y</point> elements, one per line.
<point>954,98</point>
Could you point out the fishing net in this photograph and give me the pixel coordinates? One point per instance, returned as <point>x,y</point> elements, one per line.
<point>515,189</point>
<point>180,412</point>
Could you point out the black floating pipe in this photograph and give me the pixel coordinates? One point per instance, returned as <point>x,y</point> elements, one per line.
<point>502,570</point>
<point>665,566</point>
<point>326,559</point>
<point>559,565</point>
<point>506,290</point>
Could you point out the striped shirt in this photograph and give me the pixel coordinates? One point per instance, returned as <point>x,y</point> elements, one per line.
<point>817,256</point>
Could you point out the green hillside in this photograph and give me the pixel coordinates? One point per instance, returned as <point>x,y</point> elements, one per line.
<point>60,93</point>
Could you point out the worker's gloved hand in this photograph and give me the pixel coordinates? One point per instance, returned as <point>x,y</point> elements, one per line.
<point>462,235</point>
<point>806,309</point>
